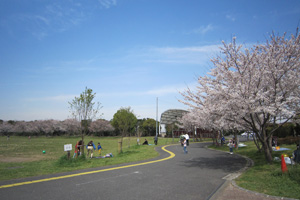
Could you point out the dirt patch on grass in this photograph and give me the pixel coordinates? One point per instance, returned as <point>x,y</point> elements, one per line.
<point>19,159</point>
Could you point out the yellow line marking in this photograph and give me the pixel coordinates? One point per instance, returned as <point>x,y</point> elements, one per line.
<point>172,155</point>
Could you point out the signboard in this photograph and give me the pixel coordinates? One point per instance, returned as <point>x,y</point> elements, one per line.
<point>68,147</point>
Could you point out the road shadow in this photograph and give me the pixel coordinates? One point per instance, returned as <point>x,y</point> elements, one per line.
<point>209,159</point>
<point>227,163</point>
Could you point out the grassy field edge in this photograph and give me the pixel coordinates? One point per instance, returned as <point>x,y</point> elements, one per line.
<point>264,178</point>
<point>21,157</point>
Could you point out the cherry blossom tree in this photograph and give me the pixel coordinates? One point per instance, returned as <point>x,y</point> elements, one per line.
<point>44,127</point>
<point>21,127</point>
<point>6,128</point>
<point>251,88</point>
<point>100,126</point>
<point>72,126</point>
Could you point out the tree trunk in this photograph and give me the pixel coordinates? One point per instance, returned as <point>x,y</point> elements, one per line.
<point>266,146</point>
<point>82,145</point>
<point>172,135</point>
<point>267,152</point>
<point>216,136</point>
<point>129,140</point>
<point>269,142</point>
<point>120,145</point>
<point>256,142</point>
<point>236,142</point>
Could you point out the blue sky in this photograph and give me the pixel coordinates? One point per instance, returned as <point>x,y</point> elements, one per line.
<point>129,52</point>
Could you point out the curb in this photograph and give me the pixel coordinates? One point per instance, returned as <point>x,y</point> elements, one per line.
<point>219,190</point>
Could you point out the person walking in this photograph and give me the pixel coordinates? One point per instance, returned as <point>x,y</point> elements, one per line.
<point>184,146</point>
<point>187,137</point>
<point>155,140</point>
<point>231,146</point>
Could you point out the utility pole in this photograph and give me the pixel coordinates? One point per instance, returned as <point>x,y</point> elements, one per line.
<point>156,115</point>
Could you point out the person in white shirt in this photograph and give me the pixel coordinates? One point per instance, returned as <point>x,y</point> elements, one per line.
<point>187,137</point>
<point>184,146</point>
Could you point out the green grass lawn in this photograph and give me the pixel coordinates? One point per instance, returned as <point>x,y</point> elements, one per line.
<point>22,157</point>
<point>266,178</point>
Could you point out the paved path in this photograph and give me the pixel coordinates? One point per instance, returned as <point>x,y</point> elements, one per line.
<point>196,175</point>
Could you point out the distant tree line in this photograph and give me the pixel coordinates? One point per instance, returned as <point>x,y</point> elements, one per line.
<point>71,127</point>
<point>68,127</point>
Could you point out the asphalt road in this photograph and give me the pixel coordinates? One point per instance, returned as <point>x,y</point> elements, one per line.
<point>196,175</point>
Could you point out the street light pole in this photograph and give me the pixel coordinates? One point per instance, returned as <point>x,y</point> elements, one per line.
<point>156,115</point>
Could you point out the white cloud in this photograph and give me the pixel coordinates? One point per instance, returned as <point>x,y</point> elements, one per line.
<point>159,91</point>
<point>154,92</point>
<point>202,30</point>
<point>59,98</point>
<point>202,49</point>
<point>139,56</point>
<point>182,55</point>
<point>55,17</point>
<point>230,17</point>
<point>165,90</point>
<point>108,3</point>
<point>189,55</point>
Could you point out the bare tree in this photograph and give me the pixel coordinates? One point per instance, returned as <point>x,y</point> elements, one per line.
<point>84,110</point>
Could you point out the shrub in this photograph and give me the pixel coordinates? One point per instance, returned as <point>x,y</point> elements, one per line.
<point>294,173</point>
<point>283,131</point>
<point>63,161</point>
<point>288,140</point>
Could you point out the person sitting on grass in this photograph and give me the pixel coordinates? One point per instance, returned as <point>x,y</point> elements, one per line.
<point>146,142</point>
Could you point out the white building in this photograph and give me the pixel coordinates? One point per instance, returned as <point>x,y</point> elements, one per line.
<point>171,116</point>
